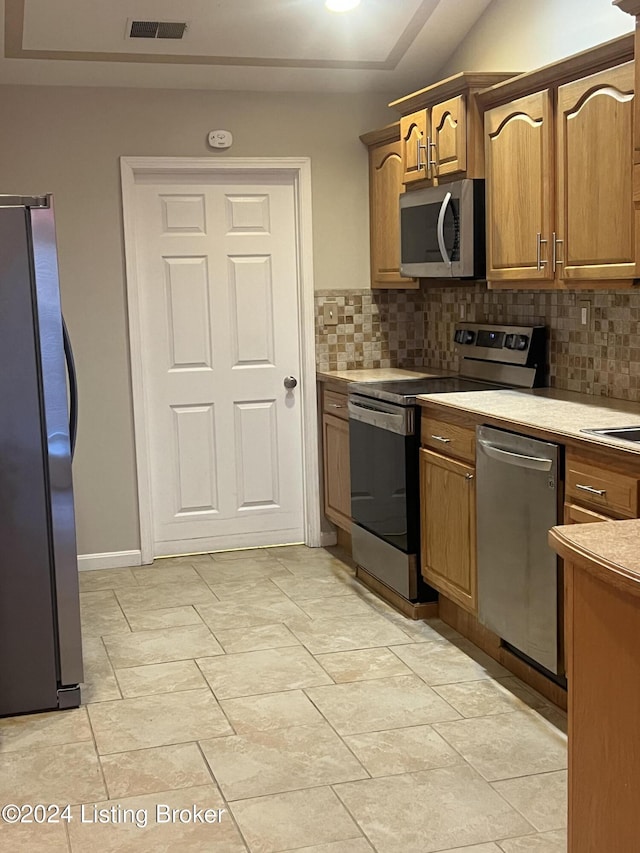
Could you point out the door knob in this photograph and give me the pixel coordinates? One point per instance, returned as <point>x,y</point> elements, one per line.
<point>290,382</point>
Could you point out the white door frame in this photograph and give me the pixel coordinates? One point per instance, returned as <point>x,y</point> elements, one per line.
<point>298,171</point>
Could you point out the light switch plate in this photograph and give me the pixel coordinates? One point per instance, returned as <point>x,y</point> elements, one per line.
<point>330,313</point>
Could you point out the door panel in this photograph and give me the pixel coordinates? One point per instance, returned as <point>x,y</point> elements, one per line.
<point>595,204</point>
<point>252,332</point>
<point>219,315</point>
<point>194,449</point>
<point>519,182</point>
<point>188,313</point>
<point>257,461</point>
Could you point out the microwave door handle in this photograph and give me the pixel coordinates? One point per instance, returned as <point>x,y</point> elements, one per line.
<point>441,243</point>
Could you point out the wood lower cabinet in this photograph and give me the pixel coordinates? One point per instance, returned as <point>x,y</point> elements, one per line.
<point>335,458</point>
<point>602,617</point>
<point>448,527</point>
<point>604,702</point>
<point>602,486</point>
<point>580,515</point>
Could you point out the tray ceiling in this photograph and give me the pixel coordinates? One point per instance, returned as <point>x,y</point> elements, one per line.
<point>381,45</point>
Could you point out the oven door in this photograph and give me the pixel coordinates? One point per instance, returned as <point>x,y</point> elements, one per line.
<point>384,478</point>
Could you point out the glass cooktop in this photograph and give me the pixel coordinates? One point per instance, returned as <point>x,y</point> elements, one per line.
<point>405,391</point>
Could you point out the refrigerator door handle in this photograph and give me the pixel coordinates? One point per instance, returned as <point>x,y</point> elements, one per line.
<point>73,387</point>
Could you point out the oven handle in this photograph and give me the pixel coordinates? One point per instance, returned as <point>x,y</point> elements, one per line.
<point>441,243</point>
<point>400,422</point>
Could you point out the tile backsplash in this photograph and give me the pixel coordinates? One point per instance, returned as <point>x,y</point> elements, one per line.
<point>414,328</point>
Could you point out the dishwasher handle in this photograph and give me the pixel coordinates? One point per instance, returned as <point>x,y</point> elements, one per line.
<point>536,463</point>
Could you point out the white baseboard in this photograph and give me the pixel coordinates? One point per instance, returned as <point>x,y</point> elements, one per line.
<point>327,539</point>
<point>113,560</point>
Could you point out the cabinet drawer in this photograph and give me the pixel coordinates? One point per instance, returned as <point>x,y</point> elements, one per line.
<point>449,439</point>
<point>334,403</point>
<point>580,515</point>
<point>591,484</point>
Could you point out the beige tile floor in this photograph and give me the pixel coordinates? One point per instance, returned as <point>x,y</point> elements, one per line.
<point>272,685</point>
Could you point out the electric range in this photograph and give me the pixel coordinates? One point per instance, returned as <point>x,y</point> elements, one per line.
<point>384,439</point>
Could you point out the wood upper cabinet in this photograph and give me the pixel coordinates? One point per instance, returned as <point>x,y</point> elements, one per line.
<point>385,187</point>
<point>559,184</point>
<point>449,137</point>
<point>448,527</point>
<point>441,128</point>
<point>414,130</point>
<point>519,175</point>
<point>595,227</point>
<point>434,141</point>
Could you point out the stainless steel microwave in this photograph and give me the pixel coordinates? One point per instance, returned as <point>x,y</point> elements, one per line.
<point>442,233</point>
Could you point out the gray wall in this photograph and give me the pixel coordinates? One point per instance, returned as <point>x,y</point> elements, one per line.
<point>520,35</point>
<point>68,141</point>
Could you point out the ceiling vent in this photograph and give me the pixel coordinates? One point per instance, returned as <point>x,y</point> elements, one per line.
<point>156,29</point>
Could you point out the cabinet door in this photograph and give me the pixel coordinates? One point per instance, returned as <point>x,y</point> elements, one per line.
<point>595,221</point>
<point>448,527</point>
<point>337,482</point>
<point>414,129</point>
<point>385,186</point>
<point>519,187</point>
<point>449,135</point>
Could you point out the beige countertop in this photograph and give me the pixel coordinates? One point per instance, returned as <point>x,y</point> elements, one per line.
<point>377,374</point>
<point>608,550</point>
<point>562,413</point>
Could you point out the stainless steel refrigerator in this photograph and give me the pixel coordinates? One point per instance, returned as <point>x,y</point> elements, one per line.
<point>40,644</point>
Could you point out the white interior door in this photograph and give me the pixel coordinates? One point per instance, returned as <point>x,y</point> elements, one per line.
<point>217,270</point>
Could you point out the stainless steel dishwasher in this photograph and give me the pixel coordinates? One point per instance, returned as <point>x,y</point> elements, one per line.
<point>517,503</point>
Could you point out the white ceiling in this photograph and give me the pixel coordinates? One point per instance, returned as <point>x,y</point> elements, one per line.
<point>389,46</point>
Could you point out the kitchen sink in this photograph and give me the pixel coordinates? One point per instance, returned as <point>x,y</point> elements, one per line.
<point>631,433</point>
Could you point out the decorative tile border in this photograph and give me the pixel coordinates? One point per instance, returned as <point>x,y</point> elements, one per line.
<point>414,328</point>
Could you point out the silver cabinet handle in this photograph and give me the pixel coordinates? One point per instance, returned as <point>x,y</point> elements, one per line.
<point>469,476</point>
<point>556,260</point>
<point>539,262</point>
<point>591,490</point>
<point>441,243</point>
<point>431,162</point>
<point>441,438</point>
<point>290,382</point>
<point>336,406</point>
<point>420,165</point>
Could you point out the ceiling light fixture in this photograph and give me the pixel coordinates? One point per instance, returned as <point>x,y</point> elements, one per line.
<point>341,5</point>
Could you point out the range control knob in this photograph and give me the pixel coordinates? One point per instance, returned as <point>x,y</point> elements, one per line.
<point>464,336</point>
<point>517,342</point>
